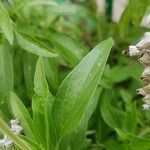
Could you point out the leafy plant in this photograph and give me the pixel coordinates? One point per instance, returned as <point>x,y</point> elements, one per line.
<point>48,125</point>
<point>65,96</point>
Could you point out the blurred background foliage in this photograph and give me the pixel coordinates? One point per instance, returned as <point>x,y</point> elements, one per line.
<point>71,28</point>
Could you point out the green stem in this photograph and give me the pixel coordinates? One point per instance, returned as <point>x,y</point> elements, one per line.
<point>57,146</point>
<point>5,129</point>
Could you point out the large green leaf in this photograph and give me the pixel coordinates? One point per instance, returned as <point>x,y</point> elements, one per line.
<point>76,139</point>
<point>76,90</point>
<point>22,113</point>
<point>41,105</point>
<point>6,24</point>
<point>33,47</point>
<point>6,78</point>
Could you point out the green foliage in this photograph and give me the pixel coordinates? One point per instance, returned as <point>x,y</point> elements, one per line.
<point>67,97</point>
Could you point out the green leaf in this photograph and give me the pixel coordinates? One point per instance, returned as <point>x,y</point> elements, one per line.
<point>6,78</point>
<point>118,74</point>
<point>130,119</point>
<point>113,144</point>
<point>6,24</point>
<point>22,113</point>
<point>69,48</point>
<point>29,63</point>
<point>111,115</point>
<point>68,9</point>
<point>41,2</point>
<point>5,129</point>
<point>76,139</point>
<point>40,83</point>
<point>126,96</point>
<point>51,71</point>
<point>32,47</point>
<point>133,13</point>
<point>76,90</point>
<point>32,144</point>
<point>41,105</point>
<point>136,142</point>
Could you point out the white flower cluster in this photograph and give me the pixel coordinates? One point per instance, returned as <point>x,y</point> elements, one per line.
<point>142,49</point>
<point>16,129</point>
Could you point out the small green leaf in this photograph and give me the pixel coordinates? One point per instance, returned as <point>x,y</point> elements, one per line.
<point>69,48</point>
<point>51,72</point>
<point>6,24</point>
<point>111,115</point>
<point>76,90</point>
<point>130,119</point>
<point>136,142</point>
<point>6,78</point>
<point>22,114</point>
<point>29,63</point>
<point>118,74</point>
<point>126,96</point>
<point>40,83</point>
<point>133,13</point>
<point>41,105</point>
<point>32,47</point>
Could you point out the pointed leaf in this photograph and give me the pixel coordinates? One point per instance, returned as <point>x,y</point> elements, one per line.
<point>22,113</point>
<point>6,24</point>
<point>77,88</point>
<point>111,115</point>
<point>41,105</point>
<point>6,78</point>
<point>32,47</point>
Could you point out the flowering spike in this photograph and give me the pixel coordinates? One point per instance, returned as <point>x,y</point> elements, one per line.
<point>142,49</point>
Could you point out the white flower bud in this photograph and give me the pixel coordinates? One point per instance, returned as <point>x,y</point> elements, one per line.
<point>146,80</point>
<point>2,143</point>
<point>146,106</point>
<point>14,122</point>
<point>145,42</point>
<point>16,129</point>
<point>8,143</point>
<point>133,51</point>
<point>141,91</point>
<point>147,99</point>
<point>145,59</point>
<point>146,72</point>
